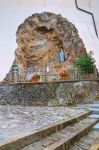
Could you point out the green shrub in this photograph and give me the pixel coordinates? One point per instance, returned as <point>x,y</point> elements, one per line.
<point>85,61</point>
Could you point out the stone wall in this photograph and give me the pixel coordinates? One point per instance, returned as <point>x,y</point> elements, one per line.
<point>52,94</point>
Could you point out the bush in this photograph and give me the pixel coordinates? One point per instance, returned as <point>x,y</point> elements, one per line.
<point>85,61</point>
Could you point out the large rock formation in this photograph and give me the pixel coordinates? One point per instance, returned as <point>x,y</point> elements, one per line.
<point>40,39</point>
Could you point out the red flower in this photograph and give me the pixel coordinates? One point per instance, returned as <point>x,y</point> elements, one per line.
<point>81,51</point>
<point>91,59</point>
<point>91,53</point>
<point>63,73</point>
<point>35,77</point>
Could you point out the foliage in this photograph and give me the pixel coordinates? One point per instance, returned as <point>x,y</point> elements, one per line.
<point>85,61</point>
<point>14,65</point>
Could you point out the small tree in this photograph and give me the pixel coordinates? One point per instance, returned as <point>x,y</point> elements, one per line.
<point>85,61</point>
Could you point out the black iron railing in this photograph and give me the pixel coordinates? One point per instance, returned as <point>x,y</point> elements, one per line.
<point>26,75</point>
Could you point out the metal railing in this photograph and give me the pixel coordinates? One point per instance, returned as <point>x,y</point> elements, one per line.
<point>25,75</point>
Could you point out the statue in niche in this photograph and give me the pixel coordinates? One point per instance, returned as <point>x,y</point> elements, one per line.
<point>62,55</point>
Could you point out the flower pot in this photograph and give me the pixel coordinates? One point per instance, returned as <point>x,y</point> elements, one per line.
<point>36,80</point>
<point>64,79</point>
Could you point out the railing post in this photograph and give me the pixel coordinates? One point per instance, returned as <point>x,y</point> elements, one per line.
<point>15,75</point>
<point>95,72</point>
<point>10,76</point>
<point>19,73</point>
<point>24,74</point>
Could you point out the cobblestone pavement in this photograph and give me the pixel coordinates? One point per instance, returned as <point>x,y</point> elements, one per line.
<point>18,119</point>
<point>87,141</point>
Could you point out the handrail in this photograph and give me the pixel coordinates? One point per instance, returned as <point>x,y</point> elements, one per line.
<point>90,14</point>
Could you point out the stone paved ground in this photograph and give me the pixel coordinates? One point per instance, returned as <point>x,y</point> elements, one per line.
<point>87,141</point>
<point>18,119</point>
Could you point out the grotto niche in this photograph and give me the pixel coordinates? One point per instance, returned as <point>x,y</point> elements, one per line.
<point>41,38</point>
<point>44,40</point>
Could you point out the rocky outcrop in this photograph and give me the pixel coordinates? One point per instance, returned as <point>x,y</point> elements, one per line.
<point>40,39</point>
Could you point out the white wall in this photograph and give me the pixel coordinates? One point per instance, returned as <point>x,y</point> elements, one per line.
<point>13,13</point>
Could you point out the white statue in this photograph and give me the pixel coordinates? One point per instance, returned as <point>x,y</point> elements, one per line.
<point>62,56</point>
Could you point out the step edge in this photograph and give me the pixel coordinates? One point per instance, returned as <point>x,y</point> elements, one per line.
<point>65,142</point>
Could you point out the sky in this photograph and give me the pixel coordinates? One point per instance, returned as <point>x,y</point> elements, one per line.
<point>14,12</point>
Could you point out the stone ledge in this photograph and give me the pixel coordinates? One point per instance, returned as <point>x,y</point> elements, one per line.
<point>50,82</point>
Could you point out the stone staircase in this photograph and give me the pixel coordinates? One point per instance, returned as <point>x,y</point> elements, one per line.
<point>95,112</point>
<point>63,139</point>
<point>91,140</point>
<point>60,136</point>
<point>88,142</point>
<point>76,133</point>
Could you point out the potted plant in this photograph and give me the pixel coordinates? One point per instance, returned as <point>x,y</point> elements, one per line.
<point>63,75</point>
<point>35,78</point>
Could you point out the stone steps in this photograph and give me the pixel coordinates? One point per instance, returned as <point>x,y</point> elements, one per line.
<point>95,110</point>
<point>96,127</point>
<point>63,139</point>
<point>26,138</point>
<point>94,116</point>
<point>88,142</point>
<point>90,106</point>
